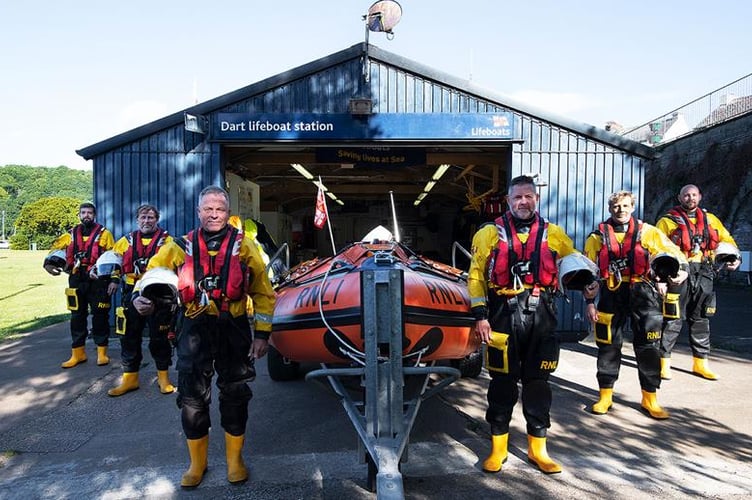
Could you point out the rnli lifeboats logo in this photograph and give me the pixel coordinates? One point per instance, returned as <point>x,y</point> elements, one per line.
<point>500,121</point>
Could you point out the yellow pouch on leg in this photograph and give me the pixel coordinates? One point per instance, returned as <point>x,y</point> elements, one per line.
<point>71,299</point>
<point>671,306</point>
<point>120,320</point>
<point>497,353</point>
<point>603,328</point>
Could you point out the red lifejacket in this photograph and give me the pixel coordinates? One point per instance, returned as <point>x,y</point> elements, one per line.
<point>533,259</point>
<point>223,276</point>
<point>629,256</point>
<point>138,252</point>
<point>86,252</point>
<point>691,236</point>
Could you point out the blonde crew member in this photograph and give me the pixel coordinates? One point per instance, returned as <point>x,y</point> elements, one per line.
<point>622,246</point>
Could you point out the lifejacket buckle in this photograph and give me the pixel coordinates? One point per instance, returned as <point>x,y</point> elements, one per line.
<point>533,299</point>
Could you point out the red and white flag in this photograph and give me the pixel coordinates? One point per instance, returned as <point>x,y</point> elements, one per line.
<point>319,219</point>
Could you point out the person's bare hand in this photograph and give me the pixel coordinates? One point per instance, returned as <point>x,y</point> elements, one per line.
<point>143,306</point>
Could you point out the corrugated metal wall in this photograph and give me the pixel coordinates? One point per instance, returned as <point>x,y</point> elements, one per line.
<point>166,169</point>
<point>170,167</point>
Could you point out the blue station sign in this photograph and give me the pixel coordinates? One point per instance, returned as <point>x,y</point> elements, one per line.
<point>343,126</point>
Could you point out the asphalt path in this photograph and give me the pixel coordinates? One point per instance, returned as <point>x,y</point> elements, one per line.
<point>62,437</point>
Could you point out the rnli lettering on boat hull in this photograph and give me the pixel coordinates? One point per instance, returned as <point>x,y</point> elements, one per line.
<point>318,313</point>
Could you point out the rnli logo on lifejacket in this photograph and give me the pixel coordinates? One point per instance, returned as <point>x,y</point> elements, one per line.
<point>445,293</point>
<point>654,335</point>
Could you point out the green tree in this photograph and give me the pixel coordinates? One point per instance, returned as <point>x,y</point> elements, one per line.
<point>42,221</point>
<point>22,184</point>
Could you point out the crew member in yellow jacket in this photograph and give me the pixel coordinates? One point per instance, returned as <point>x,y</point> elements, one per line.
<point>624,247</point>
<point>217,268</point>
<point>512,286</point>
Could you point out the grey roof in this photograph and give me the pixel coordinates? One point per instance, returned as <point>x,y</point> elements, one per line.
<point>357,51</point>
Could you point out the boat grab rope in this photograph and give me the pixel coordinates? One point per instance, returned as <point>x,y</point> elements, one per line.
<point>345,348</point>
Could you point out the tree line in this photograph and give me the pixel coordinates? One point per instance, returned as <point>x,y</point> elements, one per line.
<point>41,203</point>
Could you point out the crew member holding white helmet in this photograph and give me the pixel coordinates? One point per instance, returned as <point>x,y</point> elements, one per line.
<point>512,284</point>
<point>623,248</point>
<point>698,234</point>
<point>136,248</point>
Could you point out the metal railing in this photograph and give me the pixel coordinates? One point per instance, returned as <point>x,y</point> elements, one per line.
<point>727,102</point>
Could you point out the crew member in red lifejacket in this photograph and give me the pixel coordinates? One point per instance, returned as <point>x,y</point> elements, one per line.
<point>83,244</point>
<point>622,247</point>
<point>217,268</point>
<point>697,233</point>
<point>137,247</point>
<point>512,285</point>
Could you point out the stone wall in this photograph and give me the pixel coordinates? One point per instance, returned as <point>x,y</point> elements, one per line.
<point>719,161</point>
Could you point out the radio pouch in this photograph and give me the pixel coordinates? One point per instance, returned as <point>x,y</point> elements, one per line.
<point>671,306</point>
<point>497,353</point>
<point>71,299</point>
<point>120,320</point>
<point>603,328</point>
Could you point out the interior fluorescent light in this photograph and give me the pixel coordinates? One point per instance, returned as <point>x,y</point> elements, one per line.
<point>302,171</point>
<point>440,172</point>
<point>331,195</point>
<point>422,195</point>
<point>429,186</point>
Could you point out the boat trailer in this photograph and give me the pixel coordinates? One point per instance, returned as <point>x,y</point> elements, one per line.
<point>391,391</point>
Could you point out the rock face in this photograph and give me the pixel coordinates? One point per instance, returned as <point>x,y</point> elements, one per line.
<point>719,161</point>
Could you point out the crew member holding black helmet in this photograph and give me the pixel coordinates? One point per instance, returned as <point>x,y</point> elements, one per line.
<point>83,244</point>
<point>624,248</point>
<point>698,234</point>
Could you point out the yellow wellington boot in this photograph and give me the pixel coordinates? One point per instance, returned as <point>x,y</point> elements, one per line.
<point>128,384</point>
<point>198,449</point>
<point>102,358</point>
<point>605,402</point>
<point>499,453</point>
<point>538,455</point>
<point>666,368</point>
<point>165,386</point>
<point>650,404</point>
<point>78,356</point>
<point>236,471</point>
<point>700,368</point>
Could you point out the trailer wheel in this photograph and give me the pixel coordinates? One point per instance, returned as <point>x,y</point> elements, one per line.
<point>471,365</point>
<point>280,368</point>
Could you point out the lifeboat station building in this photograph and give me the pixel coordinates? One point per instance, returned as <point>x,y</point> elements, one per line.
<point>374,128</point>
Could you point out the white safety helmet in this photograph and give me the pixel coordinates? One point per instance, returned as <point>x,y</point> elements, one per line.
<point>56,259</point>
<point>108,263</point>
<point>726,253</point>
<point>576,272</point>
<point>664,266</point>
<point>159,285</point>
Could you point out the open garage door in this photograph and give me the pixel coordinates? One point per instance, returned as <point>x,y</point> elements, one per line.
<point>431,216</point>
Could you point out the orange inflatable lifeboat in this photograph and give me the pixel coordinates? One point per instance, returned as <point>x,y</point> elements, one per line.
<point>319,316</point>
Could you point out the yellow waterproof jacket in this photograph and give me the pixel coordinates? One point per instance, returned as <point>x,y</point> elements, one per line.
<point>106,241</point>
<point>667,226</point>
<point>651,239</point>
<point>122,245</point>
<point>486,239</point>
<point>172,256</point>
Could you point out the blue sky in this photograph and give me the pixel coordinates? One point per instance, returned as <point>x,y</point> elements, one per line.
<point>75,73</point>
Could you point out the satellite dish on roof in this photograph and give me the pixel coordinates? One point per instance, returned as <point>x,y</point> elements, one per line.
<point>383,16</point>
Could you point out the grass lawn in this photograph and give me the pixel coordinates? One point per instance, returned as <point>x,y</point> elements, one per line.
<point>29,297</point>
